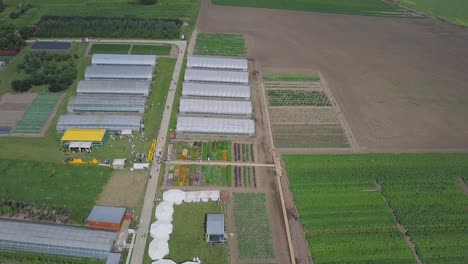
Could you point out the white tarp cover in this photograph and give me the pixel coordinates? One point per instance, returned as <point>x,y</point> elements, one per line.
<point>216,90</point>
<point>164,261</point>
<point>215,107</point>
<point>140,166</point>
<point>123,59</point>
<point>174,196</point>
<point>164,211</point>
<point>158,249</point>
<point>217,63</point>
<point>161,229</point>
<point>197,75</point>
<point>205,125</point>
<point>201,196</point>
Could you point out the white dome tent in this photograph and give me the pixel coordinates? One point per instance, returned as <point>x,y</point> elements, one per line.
<point>164,211</point>
<point>161,230</point>
<point>158,249</point>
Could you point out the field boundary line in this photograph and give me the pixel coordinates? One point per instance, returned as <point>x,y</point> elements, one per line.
<point>292,151</point>
<point>344,124</point>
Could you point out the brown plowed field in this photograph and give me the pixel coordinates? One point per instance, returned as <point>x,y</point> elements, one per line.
<point>400,83</point>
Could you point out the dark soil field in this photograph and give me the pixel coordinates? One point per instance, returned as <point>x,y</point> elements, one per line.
<point>400,83</point>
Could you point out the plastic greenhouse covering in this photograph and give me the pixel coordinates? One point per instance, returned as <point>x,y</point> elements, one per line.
<point>216,90</point>
<point>217,63</point>
<point>215,125</point>
<point>106,72</point>
<point>106,103</point>
<point>123,59</point>
<point>110,122</point>
<point>215,107</point>
<point>197,75</point>
<point>117,87</point>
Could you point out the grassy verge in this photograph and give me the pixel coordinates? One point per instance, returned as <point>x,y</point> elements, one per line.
<point>346,220</point>
<point>355,7</point>
<point>109,49</point>
<point>54,184</point>
<point>151,49</point>
<point>220,45</point>
<point>453,11</point>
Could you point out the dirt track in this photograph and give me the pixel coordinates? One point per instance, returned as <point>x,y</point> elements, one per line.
<point>400,83</point>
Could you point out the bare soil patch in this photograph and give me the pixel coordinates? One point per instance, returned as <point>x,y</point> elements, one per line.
<point>13,106</point>
<point>303,115</point>
<point>125,188</point>
<point>381,71</point>
<point>309,136</point>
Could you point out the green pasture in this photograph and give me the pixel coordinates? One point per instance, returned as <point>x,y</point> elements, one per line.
<point>346,220</point>
<point>354,7</point>
<point>454,11</point>
<point>151,49</point>
<point>55,184</point>
<point>109,49</point>
<point>220,45</point>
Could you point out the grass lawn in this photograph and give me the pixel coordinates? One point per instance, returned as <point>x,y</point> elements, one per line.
<point>346,220</point>
<point>51,183</point>
<point>253,229</point>
<point>358,7</point>
<point>151,49</point>
<point>220,45</point>
<point>188,236</point>
<point>291,78</point>
<point>109,49</point>
<point>454,11</point>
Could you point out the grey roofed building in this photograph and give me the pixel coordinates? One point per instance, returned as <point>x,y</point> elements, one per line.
<point>216,90</point>
<point>217,63</point>
<point>106,214</point>
<point>114,258</point>
<point>124,59</point>
<point>215,229</point>
<point>197,75</point>
<point>110,72</point>
<point>55,239</point>
<point>215,107</point>
<point>117,87</point>
<point>110,122</point>
<point>208,125</point>
<point>106,103</point>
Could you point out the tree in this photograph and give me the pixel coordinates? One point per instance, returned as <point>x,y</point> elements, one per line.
<point>57,87</point>
<point>21,85</point>
<point>148,2</point>
<point>2,5</point>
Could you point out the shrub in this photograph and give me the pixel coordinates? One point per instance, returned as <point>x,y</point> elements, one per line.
<point>21,85</point>
<point>14,15</point>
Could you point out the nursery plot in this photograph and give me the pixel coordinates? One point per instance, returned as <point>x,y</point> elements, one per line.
<point>197,175</point>
<point>244,177</point>
<point>303,115</point>
<point>297,98</point>
<point>309,136</point>
<point>205,150</point>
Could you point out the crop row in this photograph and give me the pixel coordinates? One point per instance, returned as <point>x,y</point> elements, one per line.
<point>297,98</point>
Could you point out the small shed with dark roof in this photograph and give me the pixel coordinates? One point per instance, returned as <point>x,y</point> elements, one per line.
<point>106,217</point>
<point>215,229</point>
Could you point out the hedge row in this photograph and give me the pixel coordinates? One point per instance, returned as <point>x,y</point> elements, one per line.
<point>108,27</point>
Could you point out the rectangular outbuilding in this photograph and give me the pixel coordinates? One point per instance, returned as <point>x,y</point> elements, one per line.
<point>216,76</point>
<point>217,63</point>
<point>216,90</point>
<point>55,239</point>
<point>106,103</point>
<point>95,136</point>
<point>215,107</point>
<point>124,60</point>
<point>106,217</point>
<point>110,122</point>
<point>113,87</point>
<point>208,125</point>
<point>111,72</point>
<point>215,228</point>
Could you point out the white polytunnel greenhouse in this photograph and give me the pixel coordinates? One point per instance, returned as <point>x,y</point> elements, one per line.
<point>215,107</point>
<point>192,89</point>
<point>114,87</point>
<point>197,75</point>
<point>106,72</point>
<point>206,125</point>
<point>123,59</point>
<point>217,63</point>
<point>106,103</point>
<point>109,122</point>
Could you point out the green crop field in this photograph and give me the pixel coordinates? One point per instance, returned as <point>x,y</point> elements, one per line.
<point>213,150</point>
<point>253,229</point>
<point>188,236</point>
<point>109,49</point>
<point>54,184</point>
<point>279,97</point>
<point>357,7</point>
<point>346,219</point>
<point>34,119</point>
<point>151,49</point>
<point>220,45</point>
<point>454,11</point>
